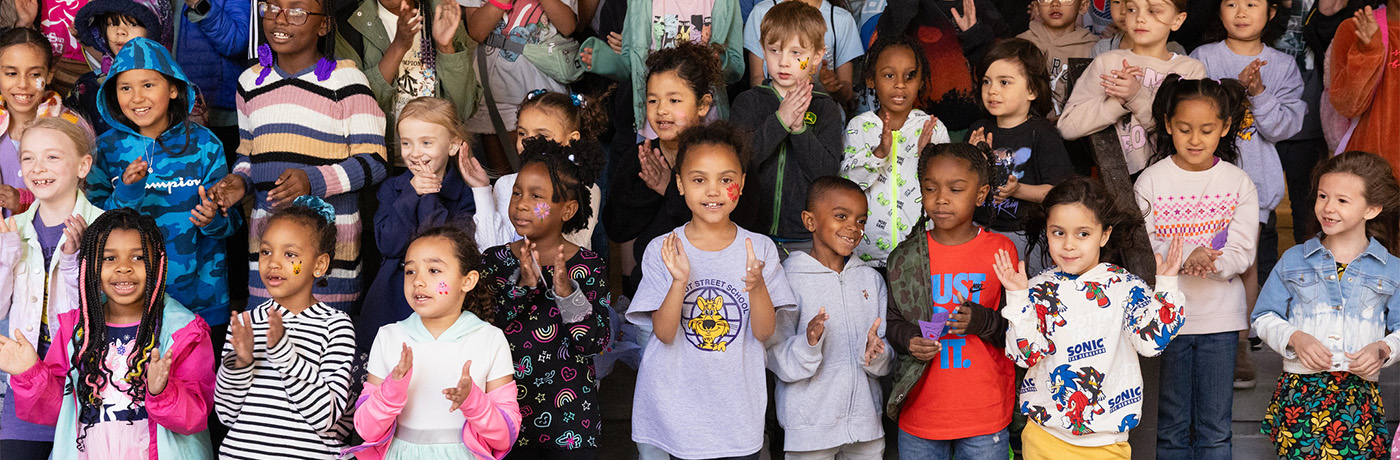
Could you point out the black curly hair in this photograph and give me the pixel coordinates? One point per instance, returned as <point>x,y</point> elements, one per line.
<point>90,335</point>
<point>888,41</point>
<point>1112,211</point>
<point>720,133</point>
<point>469,258</point>
<point>572,169</point>
<point>697,64</point>
<point>589,117</point>
<point>1231,103</point>
<point>323,230</point>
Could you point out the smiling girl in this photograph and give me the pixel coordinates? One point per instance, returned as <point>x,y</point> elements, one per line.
<point>26,68</point>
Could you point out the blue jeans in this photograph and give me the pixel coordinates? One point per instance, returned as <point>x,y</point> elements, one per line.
<point>1193,415</point>
<point>993,446</point>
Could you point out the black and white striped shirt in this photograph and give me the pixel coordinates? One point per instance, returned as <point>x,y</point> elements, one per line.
<point>289,404</point>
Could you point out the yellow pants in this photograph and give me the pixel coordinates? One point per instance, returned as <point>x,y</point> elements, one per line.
<point>1036,444</point>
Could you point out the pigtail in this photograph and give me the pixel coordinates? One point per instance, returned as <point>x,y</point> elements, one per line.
<point>1230,99</point>
<point>592,115</point>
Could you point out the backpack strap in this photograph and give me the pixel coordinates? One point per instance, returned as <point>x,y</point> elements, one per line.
<point>1385,46</point>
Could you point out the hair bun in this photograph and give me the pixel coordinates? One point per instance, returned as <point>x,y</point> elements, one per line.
<point>317,204</point>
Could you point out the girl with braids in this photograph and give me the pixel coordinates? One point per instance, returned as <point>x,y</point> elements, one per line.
<point>447,349</point>
<point>555,116</point>
<point>295,350</point>
<point>554,310</point>
<point>129,376</point>
<point>944,269</point>
<point>309,126</point>
<point>1195,192</point>
<point>55,157</point>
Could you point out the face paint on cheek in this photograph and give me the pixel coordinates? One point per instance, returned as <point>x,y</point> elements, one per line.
<point>296,268</point>
<point>442,288</point>
<point>542,210</point>
<point>802,65</point>
<point>733,190</point>
<point>39,83</point>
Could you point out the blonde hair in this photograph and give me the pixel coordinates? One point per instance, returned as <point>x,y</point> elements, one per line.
<point>793,19</point>
<point>75,134</point>
<point>436,111</point>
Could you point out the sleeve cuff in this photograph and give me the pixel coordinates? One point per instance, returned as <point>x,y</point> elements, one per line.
<point>395,391</point>
<point>575,307</point>
<point>281,354</point>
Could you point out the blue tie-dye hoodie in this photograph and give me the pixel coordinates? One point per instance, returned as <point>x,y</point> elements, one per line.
<point>185,157</point>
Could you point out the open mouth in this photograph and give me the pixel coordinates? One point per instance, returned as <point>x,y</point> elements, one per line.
<point>22,99</point>
<point>713,205</point>
<point>41,183</point>
<point>274,280</point>
<point>279,37</point>
<point>898,99</point>
<point>124,287</point>
<point>421,298</point>
<point>1328,221</point>
<point>141,112</point>
<point>1056,15</point>
<point>848,240</point>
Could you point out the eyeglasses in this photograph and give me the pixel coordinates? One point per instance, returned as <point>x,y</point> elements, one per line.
<point>295,16</point>
<point>1047,2</point>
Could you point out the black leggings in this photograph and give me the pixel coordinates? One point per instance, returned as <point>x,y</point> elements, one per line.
<point>15,449</point>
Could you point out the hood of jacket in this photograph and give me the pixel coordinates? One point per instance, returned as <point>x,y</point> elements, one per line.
<point>1078,36</point>
<point>465,325</point>
<point>802,262</point>
<point>143,53</point>
<point>154,15</point>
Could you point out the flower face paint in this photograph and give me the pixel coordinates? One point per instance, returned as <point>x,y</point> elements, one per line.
<point>733,190</point>
<point>442,288</point>
<point>296,268</point>
<point>542,210</point>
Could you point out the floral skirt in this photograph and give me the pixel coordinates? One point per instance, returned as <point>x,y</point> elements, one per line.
<point>1326,416</point>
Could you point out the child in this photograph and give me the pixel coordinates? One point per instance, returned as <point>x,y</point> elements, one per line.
<point>797,129</point>
<point>559,117</point>
<point>212,47</point>
<point>841,46</point>
<point>129,376</point>
<point>428,195</point>
<point>1015,90</point>
<point>309,126</point>
<point>413,55</point>
<point>58,151</point>
<point>1334,346</point>
<point>449,330</point>
<point>156,161</point>
<point>1119,30</point>
<point>828,371</point>
<point>1119,86</point>
<point>553,300</point>
<point>105,26</point>
<point>882,145</point>
<point>1059,36</point>
<point>26,67</point>
<point>1083,399</point>
<point>1366,79</point>
<point>963,401</point>
<point>711,316</point>
<point>284,380</point>
<point>953,36</point>
<point>1194,192</point>
<point>1275,114</point>
<point>644,200</point>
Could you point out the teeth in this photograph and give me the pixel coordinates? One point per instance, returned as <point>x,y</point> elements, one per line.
<point>280,35</point>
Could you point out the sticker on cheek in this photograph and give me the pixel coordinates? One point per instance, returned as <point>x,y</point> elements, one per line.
<point>296,268</point>
<point>442,288</point>
<point>542,210</point>
<point>733,190</point>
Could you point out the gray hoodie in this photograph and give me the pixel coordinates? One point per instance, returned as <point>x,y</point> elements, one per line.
<point>826,395</point>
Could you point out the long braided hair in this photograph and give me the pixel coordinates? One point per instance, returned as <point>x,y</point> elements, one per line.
<point>90,337</point>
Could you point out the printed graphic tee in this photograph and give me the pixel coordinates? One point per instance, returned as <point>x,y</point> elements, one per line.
<point>674,21</point>
<point>704,395</point>
<point>1033,152</point>
<point>120,426</point>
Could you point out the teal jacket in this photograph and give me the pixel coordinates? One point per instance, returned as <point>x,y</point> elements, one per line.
<point>727,30</point>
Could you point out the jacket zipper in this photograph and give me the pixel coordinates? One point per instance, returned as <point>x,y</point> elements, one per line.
<point>778,195</point>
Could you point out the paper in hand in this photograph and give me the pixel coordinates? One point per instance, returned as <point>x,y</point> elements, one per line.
<point>933,328</point>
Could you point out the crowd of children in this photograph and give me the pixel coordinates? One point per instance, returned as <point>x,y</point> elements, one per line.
<point>895,232</point>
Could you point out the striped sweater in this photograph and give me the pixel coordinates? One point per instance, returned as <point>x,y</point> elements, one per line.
<point>290,403</point>
<point>333,130</point>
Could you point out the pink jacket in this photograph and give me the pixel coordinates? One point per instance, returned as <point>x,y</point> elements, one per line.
<point>493,419</point>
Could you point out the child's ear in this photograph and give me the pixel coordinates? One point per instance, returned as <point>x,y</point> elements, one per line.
<point>1225,132</point>
<point>1180,19</point>
<point>809,221</point>
<point>469,282</point>
<point>1107,232</point>
<point>570,208</point>
<point>1083,8</point>
<point>84,166</point>
<point>679,185</point>
<point>1372,211</point>
<point>174,92</point>
<point>705,103</point>
<point>573,136</point>
<point>323,265</point>
<point>982,193</point>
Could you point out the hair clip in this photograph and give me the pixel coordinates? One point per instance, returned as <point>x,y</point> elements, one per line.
<point>530,96</point>
<point>316,204</point>
<point>576,98</point>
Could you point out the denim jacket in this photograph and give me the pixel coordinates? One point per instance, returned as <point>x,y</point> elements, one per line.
<point>1345,312</point>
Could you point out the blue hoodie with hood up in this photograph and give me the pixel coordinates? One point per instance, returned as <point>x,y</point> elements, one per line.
<point>184,157</point>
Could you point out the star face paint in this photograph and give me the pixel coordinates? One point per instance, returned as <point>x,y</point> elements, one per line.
<point>733,190</point>
<point>296,268</point>
<point>442,288</point>
<point>542,210</point>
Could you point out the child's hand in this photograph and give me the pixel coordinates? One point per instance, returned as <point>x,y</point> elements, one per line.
<point>405,363</point>
<point>459,393</point>
<point>9,198</point>
<point>979,136</point>
<point>926,136</point>
<point>585,56</point>
<point>654,170</point>
<point>445,23</point>
<point>1011,276</point>
<point>274,328</point>
<point>1170,266</point>
<point>886,138</point>
<point>73,228</point>
<point>1251,78</point>
<point>135,172</point>
<point>1122,84</point>
<point>960,317</point>
<point>290,185</point>
<point>673,255</point>
<point>529,263</point>
<point>794,105</point>
<point>830,82</point>
<point>424,181</point>
<point>563,284</point>
<point>1366,27</point>
<point>1201,262</point>
<point>816,327</point>
<point>874,345</point>
<point>472,171</point>
<point>1009,190</point>
<point>1368,360</point>
<point>753,269</point>
<point>16,355</point>
<point>240,327</point>
<point>409,23</point>
<point>27,11</point>
<point>1311,352</point>
<point>8,225</point>
<point>924,349</point>
<point>158,371</point>
<point>615,41</point>
<point>228,192</point>
<point>968,18</point>
<point>203,213</point>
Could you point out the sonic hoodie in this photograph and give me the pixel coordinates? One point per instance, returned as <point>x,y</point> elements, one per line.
<point>184,157</point>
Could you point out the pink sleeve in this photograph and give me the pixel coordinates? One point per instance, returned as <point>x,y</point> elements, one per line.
<point>183,407</point>
<point>493,421</point>
<point>38,391</point>
<point>380,407</point>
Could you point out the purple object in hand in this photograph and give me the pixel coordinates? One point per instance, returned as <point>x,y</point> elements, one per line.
<point>933,328</point>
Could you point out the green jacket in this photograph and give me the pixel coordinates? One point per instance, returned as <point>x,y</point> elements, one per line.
<point>456,76</point>
<point>727,30</point>
<point>910,301</point>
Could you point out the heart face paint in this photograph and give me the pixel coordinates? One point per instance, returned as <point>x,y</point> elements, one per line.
<point>442,288</point>
<point>296,268</point>
<point>733,190</point>
<point>542,210</point>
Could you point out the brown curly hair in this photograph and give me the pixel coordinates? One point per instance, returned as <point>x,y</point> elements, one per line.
<point>478,301</point>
